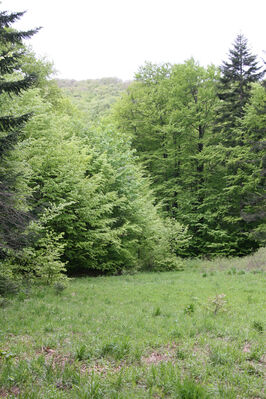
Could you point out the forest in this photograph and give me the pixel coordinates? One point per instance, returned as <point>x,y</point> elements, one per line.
<point>132,228</point>
<point>170,166</point>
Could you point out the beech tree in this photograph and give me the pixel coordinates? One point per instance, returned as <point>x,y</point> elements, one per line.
<point>169,113</point>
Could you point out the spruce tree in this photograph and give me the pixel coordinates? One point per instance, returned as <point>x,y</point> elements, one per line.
<point>13,81</point>
<point>231,143</point>
<point>237,76</point>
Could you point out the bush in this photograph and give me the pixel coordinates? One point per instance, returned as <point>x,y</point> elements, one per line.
<point>10,280</point>
<point>8,286</point>
<point>42,261</point>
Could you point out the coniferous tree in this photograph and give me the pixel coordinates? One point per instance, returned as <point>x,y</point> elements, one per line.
<point>237,76</point>
<point>231,144</point>
<point>12,82</point>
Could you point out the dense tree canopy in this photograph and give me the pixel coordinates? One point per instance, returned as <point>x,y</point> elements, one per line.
<point>93,96</point>
<point>92,209</point>
<point>188,126</point>
<point>176,169</point>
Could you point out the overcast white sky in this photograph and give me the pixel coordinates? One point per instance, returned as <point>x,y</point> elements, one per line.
<point>88,39</point>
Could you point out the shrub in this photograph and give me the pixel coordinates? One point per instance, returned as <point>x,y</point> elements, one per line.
<point>59,287</point>
<point>189,309</point>
<point>44,262</point>
<point>257,325</point>
<point>217,303</point>
<point>8,286</point>
<point>10,281</point>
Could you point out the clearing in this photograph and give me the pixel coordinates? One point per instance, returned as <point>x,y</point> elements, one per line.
<point>196,333</point>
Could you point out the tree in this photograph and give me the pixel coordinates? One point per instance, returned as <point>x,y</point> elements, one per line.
<point>237,192</point>
<point>231,169</point>
<point>201,175</point>
<point>108,219</point>
<point>237,76</point>
<point>253,128</point>
<point>169,113</point>
<point>13,82</point>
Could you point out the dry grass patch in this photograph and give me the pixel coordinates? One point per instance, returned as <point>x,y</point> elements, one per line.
<point>54,358</point>
<point>15,391</point>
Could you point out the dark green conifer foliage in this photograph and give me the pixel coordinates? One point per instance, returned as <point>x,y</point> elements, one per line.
<point>238,74</point>
<point>231,142</point>
<point>12,83</point>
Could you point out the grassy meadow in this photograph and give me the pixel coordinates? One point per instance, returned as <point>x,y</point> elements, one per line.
<point>192,334</point>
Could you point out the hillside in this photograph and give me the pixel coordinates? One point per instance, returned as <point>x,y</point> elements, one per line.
<point>95,96</point>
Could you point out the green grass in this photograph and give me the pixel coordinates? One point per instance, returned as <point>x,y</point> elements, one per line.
<point>138,336</point>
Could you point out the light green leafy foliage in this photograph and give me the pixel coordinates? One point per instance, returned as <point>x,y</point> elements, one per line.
<point>253,126</point>
<point>44,259</point>
<point>154,240</point>
<point>107,220</point>
<point>170,112</point>
<point>44,262</point>
<point>93,97</point>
